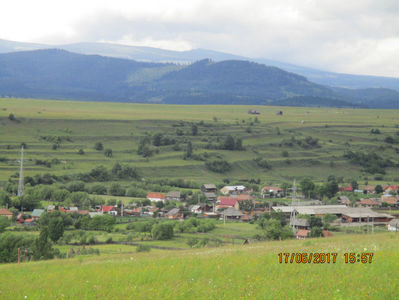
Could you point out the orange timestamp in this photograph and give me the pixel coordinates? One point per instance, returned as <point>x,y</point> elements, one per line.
<point>323,258</point>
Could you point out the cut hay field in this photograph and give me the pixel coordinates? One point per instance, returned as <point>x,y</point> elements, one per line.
<point>120,126</point>
<point>230,272</point>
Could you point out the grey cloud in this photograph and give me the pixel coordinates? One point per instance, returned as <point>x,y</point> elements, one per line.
<point>348,37</point>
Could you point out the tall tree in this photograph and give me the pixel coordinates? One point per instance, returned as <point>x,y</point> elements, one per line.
<point>307,187</point>
<point>189,150</point>
<point>194,129</point>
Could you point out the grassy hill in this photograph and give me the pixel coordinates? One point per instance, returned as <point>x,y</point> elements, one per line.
<point>229,272</point>
<point>279,139</point>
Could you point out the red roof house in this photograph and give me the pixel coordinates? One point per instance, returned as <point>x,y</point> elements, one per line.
<point>391,200</point>
<point>346,189</point>
<point>158,197</point>
<point>302,233</point>
<point>108,208</point>
<point>370,189</point>
<point>226,201</point>
<point>5,213</point>
<point>61,209</point>
<point>368,203</point>
<point>393,188</point>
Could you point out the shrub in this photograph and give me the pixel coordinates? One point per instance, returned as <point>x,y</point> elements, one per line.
<point>117,190</point>
<point>91,240</point>
<point>162,231</point>
<point>218,166</point>
<point>143,248</point>
<point>98,189</point>
<point>99,146</point>
<point>262,163</point>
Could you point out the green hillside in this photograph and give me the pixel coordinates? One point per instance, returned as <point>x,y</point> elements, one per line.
<point>229,272</point>
<point>55,131</point>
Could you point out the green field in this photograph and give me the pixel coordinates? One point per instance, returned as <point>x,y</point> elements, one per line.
<point>229,272</point>
<point>120,126</point>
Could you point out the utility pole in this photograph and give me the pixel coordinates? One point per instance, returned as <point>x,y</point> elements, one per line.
<point>21,178</point>
<point>294,201</point>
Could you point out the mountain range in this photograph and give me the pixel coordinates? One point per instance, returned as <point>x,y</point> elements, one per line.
<point>60,74</point>
<point>148,54</point>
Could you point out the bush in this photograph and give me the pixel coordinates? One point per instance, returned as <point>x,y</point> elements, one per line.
<point>117,190</point>
<point>9,244</point>
<point>92,240</point>
<point>98,189</point>
<point>143,248</point>
<point>218,166</point>
<point>108,152</point>
<point>99,146</point>
<point>109,240</point>
<point>162,231</point>
<point>262,163</point>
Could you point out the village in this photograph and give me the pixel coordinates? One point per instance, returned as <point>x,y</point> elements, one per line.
<point>239,204</point>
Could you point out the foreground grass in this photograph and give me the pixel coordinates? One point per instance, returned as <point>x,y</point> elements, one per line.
<point>239,272</point>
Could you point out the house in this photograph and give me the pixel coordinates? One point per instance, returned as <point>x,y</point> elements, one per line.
<point>345,189</point>
<point>271,191</point>
<point>61,209</point>
<point>393,225</point>
<point>174,214</point>
<point>6,213</point>
<point>370,189</point>
<point>365,216</point>
<point>209,188</point>
<point>231,213</point>
<point>51,208</point>
<point>210,196</point>
<point>157,197</point>
<point>300,224</point>
<point>390,188</point>
<point>133,212</point>
<point>36,213</point>
<point>233,189</point>
<point>246,218</point>
<point>151,210</point>
<point>302,234</point>
<point>312,210</point>
<point>174,195</point>
<point>390,200</point>
<point>195,209</point>
<point>226,201</point>
<point>109,209</point>
<point>368,203</point>
<point>344,200</point>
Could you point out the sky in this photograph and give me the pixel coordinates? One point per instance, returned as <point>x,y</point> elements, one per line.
<point>353,36</point>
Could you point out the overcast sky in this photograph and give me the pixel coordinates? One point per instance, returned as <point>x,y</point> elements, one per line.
<point>352,36</point>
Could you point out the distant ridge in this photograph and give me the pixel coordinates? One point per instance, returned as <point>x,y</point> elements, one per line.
<point>149,54</point>
<point>59,74</point>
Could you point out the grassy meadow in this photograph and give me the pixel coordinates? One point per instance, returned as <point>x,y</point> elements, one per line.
<point>229,272</point>
<point>119,126</point>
